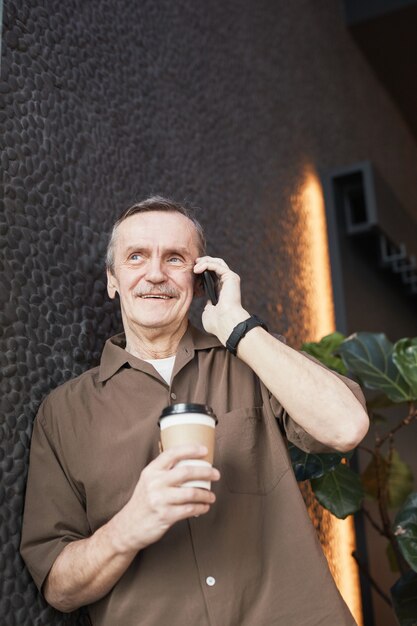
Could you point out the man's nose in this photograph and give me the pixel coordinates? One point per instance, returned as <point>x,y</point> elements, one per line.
<point>155,271</point>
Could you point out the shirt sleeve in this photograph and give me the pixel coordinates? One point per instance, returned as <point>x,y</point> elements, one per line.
<point>54,513</point>
<point>293,431</point>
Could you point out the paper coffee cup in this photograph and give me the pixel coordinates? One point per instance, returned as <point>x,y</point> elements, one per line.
<point>189,423</point>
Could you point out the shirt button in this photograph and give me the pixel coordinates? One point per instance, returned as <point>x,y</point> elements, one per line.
<point>210,581</point>
<point>173,396</point>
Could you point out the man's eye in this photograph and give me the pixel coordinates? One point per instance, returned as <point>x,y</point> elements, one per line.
<point>136,256</point>
<point>175,260</point>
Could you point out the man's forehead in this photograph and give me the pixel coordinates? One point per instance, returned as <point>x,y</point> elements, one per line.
<point>165,229</point>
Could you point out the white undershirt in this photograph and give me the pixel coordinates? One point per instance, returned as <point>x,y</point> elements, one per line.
<point>164,367</point>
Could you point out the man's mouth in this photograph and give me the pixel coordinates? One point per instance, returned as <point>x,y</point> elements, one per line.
<point>156,292</point>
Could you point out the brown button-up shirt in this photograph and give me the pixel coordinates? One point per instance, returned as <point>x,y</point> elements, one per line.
<point>254,559</point>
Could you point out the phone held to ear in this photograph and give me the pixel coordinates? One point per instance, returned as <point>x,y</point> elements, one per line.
<point>209,281</point>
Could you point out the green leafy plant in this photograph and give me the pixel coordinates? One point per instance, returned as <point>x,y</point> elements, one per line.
<point>390,371</point>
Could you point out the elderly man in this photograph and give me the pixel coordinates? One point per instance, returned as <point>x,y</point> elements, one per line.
<point>107,523</point>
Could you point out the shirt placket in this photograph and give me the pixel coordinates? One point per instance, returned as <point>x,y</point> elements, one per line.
<point>208,578</point>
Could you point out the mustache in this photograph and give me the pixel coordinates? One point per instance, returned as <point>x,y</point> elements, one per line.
<point>163,290</point>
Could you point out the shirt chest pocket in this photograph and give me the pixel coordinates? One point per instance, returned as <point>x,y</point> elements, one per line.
<point>250,452</point>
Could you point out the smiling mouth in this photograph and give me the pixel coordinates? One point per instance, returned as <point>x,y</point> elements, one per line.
<point>155,297</point>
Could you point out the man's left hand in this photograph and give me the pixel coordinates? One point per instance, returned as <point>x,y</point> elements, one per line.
<point>221,319</point>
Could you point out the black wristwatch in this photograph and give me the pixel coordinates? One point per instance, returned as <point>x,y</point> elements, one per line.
<point>240,331</point>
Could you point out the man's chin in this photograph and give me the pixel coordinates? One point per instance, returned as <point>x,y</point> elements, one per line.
<point>152,322</point>
<point>156,322</point>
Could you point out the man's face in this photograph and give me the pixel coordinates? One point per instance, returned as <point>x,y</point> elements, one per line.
<point>154,255</point>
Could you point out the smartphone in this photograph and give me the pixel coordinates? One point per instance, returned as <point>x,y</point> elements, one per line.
<point>209,282</point>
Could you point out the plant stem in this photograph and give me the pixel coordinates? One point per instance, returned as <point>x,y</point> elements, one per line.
<point>373,522</point>
<point>365,449</point>
<point>412,415</point>
<point>373,582</point>
<point>382,474</point>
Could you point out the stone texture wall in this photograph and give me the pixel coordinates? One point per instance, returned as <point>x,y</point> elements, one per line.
<point>224,105</point>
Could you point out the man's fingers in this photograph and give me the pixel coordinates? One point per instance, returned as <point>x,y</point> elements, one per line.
<point>210,259</point>
<point>169,458</point>
<point>194,510</point>
<point>180,475</point>
<point>190,502</point>
<point>191,510</point>
<point>190,495</point>
<point>211,263</point>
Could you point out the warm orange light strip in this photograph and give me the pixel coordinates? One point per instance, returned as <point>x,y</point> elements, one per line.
<point>319,293</point>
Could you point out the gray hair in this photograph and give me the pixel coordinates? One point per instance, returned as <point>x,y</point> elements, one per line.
<point>154,203</point>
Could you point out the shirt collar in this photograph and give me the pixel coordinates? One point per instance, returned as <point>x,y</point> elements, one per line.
<point>114,355</point>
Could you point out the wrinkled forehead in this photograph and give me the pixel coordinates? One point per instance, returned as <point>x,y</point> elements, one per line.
<point>157,229</point>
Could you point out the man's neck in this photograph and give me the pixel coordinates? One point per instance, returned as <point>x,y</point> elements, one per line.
<point>154,343</point>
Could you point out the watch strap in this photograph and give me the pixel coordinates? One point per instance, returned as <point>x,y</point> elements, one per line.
<point>241,330</point>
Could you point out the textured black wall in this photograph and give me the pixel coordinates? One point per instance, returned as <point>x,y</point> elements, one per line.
<point>221,104</point>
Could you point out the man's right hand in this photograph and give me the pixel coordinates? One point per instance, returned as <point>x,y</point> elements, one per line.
<point>159,500</point>
<point>87,569</point>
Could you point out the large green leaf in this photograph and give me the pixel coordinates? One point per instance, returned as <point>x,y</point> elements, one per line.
<point>340,491</point>
<point>405,529</point>
<point>369,357</point>
<point>324,350</point>
<point>307,466</point>
<point>405,358</point>
<point>404,599</point>
<point>396,477</point>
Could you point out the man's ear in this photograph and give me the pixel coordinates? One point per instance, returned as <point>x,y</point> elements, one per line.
<point>198,286</point>
<point>112,286</point>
